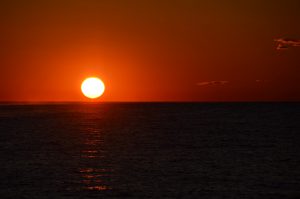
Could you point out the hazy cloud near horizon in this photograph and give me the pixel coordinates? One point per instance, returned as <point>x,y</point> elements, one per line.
<point>223,82</point>
<point>261,81</point>
<point>208,83</point>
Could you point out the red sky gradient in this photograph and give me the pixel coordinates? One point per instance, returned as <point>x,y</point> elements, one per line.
<point>189,50</point>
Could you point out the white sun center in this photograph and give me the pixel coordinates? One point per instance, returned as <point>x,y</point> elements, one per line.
<point>92,87</point>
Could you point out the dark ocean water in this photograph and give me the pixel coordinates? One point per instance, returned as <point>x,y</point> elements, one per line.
<point>150,150</point>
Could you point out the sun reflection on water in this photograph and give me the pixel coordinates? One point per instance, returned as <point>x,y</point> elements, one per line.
<point>94,171</point>
<point>93,179</point>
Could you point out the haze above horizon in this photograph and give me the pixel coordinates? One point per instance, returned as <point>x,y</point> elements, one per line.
<point>149,51</point>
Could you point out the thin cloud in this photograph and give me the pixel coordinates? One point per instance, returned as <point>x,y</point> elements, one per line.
<point>261,81</point>
<point>283,44</point>
<point>211,83</point>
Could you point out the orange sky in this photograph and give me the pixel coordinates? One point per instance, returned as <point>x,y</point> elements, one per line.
<point>189,50</point>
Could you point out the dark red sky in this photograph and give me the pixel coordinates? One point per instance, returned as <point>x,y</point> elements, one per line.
<point>189,50</point>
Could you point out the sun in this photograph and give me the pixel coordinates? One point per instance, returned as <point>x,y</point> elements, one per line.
<point>92,87</point>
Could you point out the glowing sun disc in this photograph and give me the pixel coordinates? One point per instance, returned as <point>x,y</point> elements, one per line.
<point>92,87</point>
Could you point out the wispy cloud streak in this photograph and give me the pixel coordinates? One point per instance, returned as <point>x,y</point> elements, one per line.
<point>261,81</point>
<point>283,44</point>
<point>209,83</point>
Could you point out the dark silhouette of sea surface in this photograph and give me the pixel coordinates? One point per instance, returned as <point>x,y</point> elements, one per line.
<point>150,150</point>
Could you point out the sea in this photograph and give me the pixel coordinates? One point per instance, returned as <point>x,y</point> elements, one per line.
<point>150,150</point>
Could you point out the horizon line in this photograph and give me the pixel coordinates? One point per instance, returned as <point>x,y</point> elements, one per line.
<point>162,101</point>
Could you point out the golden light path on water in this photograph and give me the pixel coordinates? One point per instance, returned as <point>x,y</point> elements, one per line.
<point>94,173</point>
